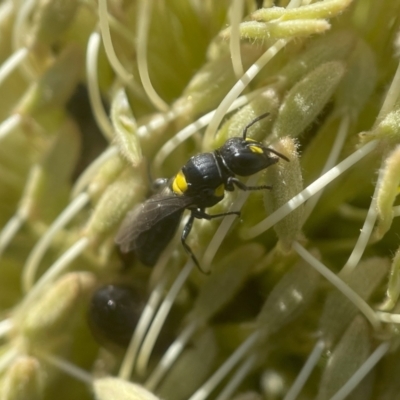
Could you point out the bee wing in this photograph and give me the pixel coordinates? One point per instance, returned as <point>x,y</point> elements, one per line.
<point>144,218</point>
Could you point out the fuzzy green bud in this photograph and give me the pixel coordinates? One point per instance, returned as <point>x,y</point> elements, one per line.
<point>211,83</point>
<point>125,129</point>
<point>338,310</point>
<point>51,314</point>
<point>191,369</point>
<point>225,281</point>
<point>307,98</point>
<point>23,380</point>
<point>387,192</point>
<point>321,9</point>
<point>115,202</point>
<point>49,181</point>
<point>387,129</point>
<point>52,18</point>
<point>287,181</point>
<point>349,354</point>
<point>336,46</point>
<point>105,176</point>
<point>56,85</point>
<point>288,299</point>
<point>393,290</point>
<point>258,32</point>
<point>358,82</point>
<point>115,388</point>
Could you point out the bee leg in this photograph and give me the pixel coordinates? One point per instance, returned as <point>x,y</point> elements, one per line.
<point>234,181</point>
<point>201,214</point>
<point>185,233</point>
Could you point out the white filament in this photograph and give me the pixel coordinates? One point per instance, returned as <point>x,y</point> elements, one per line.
<point>305,372</point>
<point>146,317</point>
<point>309,191</point>
<point>67,367</point>
<point>12,63</point>
<point>359,375</point>
<point>195,126</point>
<point>143,23</point>
<point>32,263</point>
<point>205,390</point>
<point>330,162</point>
<point>238,88</point>
<point>235,16</point>
<point>92,53</point>
<point>60,265</point>
<point>160,318</point>
<point>170,356</point>
<point>237,378</point>
<point>365,234</point>
<point>354,297</point>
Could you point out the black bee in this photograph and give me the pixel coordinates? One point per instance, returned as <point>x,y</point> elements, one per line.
<point>114,312</point>
<point>201,183</point>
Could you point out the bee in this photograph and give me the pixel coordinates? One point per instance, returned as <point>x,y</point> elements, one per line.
<point>201,183</point>
<point>114,312</point>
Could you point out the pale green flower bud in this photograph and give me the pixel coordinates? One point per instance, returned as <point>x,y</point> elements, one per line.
<point>125,129</point>
<point>258,32</point>
<point>387,192</point>
<point>338,310</point>
<point>56,85</point>
<point>52,18</point>
<point>225,281</point>
<point>323,9</point>
<point>286,181</point>
<point>118,198</point>
<point>115,388</point>
<point>336,46</point>
<point>211,83</point>
<point>51,314</point>
<point>288,299</point>
<point>359,81</point>
<point>393,290</point>
<point>105,176</point>
<point>387,129</point>
<point>349,354</point>
<point>23,380</point>
<point>191,369</point>
<point>307,98</point>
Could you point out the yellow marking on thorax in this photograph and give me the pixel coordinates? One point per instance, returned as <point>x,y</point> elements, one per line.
<point>219,191</point>
<point>179,185</point>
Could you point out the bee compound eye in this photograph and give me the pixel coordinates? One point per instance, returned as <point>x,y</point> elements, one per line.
<point>113,314</point>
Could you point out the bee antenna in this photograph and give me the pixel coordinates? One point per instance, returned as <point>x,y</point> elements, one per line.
<point>277,154</point>
<point>260,117</point>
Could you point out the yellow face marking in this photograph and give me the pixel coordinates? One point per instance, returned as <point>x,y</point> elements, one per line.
<point>219,191</point>
<point>256,149</point>
<point>179,185</point>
